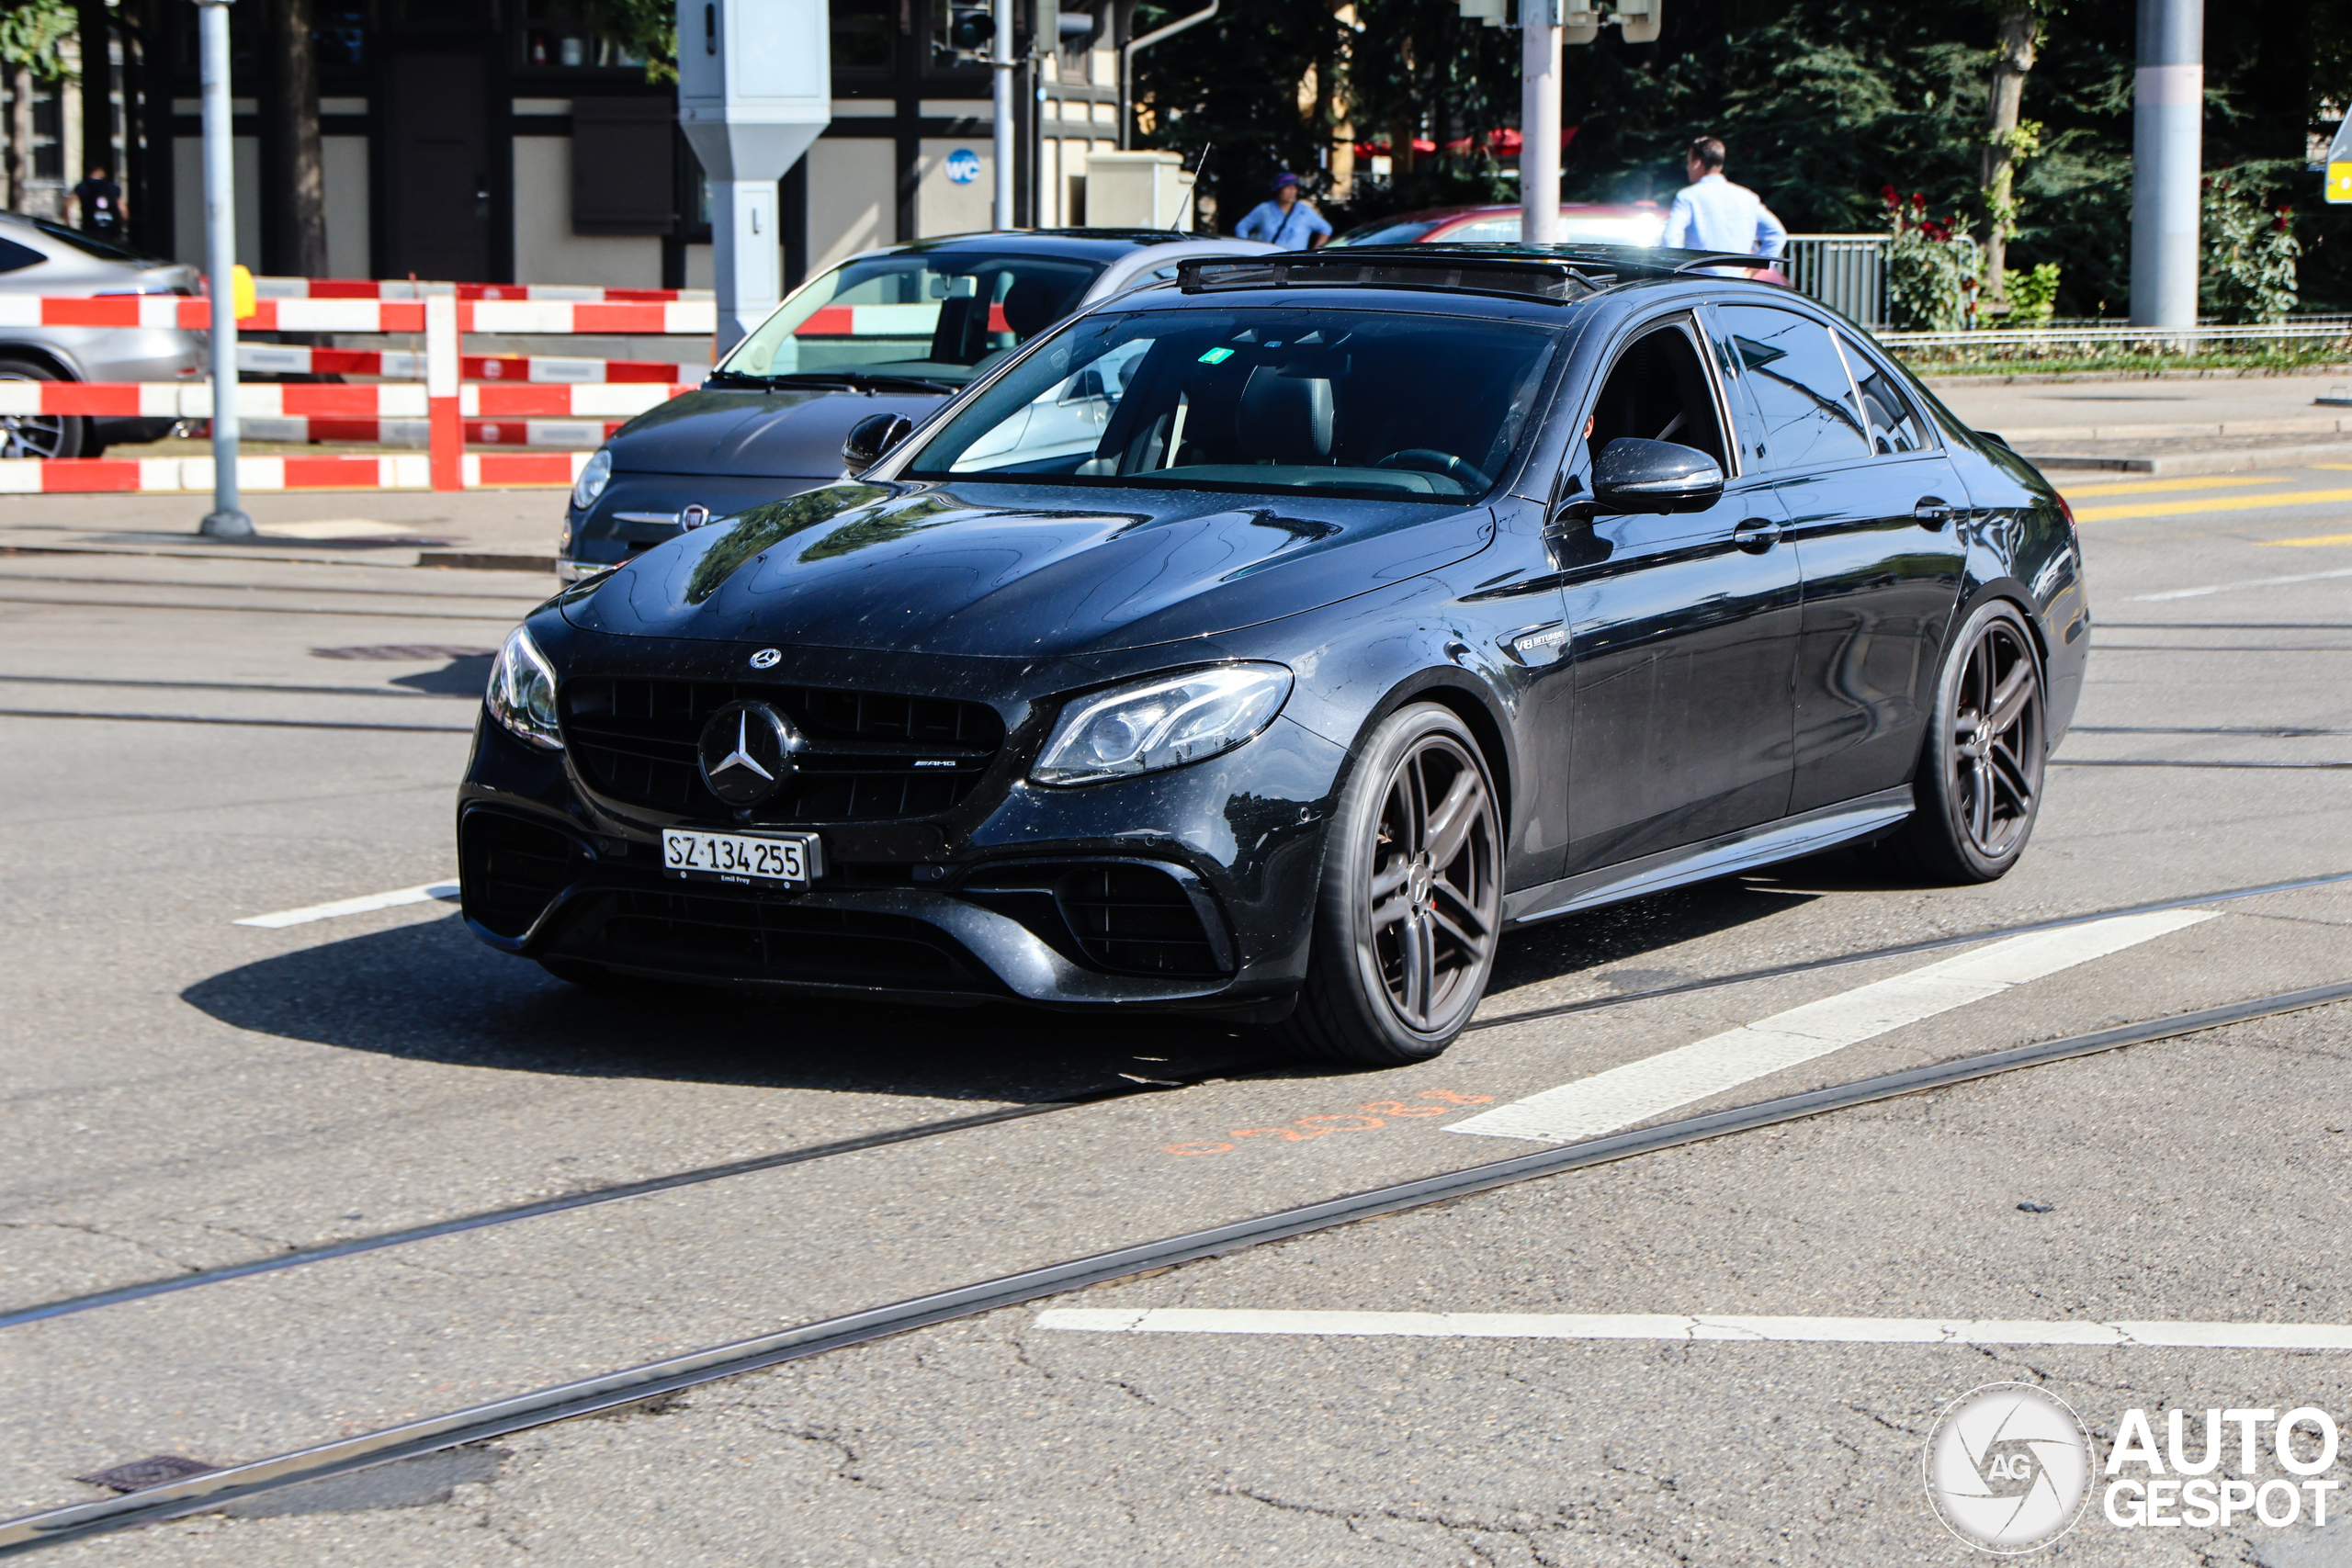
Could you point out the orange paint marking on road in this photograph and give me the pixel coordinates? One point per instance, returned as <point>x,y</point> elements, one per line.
<point>1366,1118</point>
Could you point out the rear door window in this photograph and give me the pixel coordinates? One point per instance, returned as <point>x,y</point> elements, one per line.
<point>1894,424</point>
<point>1811,412</point>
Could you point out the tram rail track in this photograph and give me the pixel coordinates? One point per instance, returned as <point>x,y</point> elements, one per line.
<point>214,1489</point>
<point>1135,1088</point>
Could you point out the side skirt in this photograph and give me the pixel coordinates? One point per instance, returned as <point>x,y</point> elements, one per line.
<point>1786,839</point>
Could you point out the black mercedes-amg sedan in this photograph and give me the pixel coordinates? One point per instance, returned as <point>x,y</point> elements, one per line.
<point>1380,601</point>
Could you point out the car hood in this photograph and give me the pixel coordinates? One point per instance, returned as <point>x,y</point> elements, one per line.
<point>788,434</point>
<point>1018,570</point>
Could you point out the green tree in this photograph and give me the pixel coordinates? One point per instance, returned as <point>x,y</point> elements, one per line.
<point>649,28</point>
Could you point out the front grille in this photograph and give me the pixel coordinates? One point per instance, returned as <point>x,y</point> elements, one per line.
<point>510,869</point>
<point>872,757</point>
<point>742,936</point>
<point>1135,920</point>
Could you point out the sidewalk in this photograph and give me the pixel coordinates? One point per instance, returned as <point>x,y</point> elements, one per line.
<point>2166,427</point>
<point>492,529</point>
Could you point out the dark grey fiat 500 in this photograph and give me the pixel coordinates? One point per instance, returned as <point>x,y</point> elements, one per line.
<point>1380,601</point>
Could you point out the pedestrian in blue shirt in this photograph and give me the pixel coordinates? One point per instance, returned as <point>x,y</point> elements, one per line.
<point>1712,214</point>
<point>1285,220</point>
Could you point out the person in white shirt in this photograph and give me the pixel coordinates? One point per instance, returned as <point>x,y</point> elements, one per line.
<point>1712,214</point>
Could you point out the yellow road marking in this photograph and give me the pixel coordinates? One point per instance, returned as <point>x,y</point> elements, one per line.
<point>2220,503</point>
<point>2142,486</point>
<point>2314,539</point>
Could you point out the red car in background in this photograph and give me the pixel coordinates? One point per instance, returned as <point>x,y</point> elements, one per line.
<point>1581,223</point>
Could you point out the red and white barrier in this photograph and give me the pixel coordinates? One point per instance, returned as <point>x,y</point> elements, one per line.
<point>445,412</point>
<point>269,400</point>
<point>516,317</point>
<point>35,476</point>
<point>391,288</point>
<point>292,359</point>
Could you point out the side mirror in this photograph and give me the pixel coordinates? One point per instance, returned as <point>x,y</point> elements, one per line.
<point>870,438</point>
<point>1634,475</point>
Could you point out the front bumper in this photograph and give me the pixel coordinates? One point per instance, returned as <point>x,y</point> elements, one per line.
<point>1189,890</point>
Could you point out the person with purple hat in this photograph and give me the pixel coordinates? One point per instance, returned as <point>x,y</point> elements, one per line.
<point>1285,220</point>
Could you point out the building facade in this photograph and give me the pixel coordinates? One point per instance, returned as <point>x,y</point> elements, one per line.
<point>505,140</point>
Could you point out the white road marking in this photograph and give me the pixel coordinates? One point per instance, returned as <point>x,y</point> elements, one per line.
<point>445,891</point>
<point>2232,587</point>
<point>1639,1090</point>
<point>1680,1328</point>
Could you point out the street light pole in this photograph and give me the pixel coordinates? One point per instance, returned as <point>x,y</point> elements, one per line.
<point>227,520</point>
<point>2167,134</point>
<point>1000,74</point>
<point>1539,121</point>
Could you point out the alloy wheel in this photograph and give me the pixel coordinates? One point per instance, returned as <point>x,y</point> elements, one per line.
<point>1436,890</point>
<point>1994,763</point>
<point>30,436</point>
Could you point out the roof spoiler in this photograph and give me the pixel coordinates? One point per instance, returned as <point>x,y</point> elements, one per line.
<point>1523,277</point>
<point>1726,259</point>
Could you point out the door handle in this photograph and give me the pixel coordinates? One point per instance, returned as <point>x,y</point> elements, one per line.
<point>1757,535</point>
<point>1932,510</point>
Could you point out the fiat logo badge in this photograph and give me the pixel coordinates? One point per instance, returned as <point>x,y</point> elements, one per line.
<point>694,514</point>
<point>767,659</point>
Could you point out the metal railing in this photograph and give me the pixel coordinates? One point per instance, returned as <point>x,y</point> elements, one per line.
<point>2155,340</point>
<point>1844,271</point>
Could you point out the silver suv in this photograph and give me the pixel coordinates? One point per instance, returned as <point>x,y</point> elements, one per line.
<point>38,257</point>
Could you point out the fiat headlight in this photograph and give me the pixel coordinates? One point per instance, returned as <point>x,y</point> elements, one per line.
<point>595,475</point>
<point>522,692</point>
<point>1163,722</point>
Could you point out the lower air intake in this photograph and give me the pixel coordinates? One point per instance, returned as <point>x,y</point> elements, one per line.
<point>510,870</point>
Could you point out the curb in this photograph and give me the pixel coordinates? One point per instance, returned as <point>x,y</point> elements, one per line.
<point>2182,464</point>
<point>485,560</point>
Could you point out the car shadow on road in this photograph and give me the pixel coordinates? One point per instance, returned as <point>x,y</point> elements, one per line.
<point>1604,938</point>
<point>430,992</point>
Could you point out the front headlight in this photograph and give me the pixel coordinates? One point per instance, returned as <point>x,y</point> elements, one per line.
<point>1163,722</point>
<point>522,692</point>
<point>595,475</point>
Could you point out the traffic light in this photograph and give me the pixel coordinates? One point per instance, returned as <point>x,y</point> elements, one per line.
<point>971,30</point>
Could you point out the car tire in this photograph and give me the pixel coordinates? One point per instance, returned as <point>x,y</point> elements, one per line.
<point>1978,786</point>
<point>1403,942</point>
<point>40,435</point>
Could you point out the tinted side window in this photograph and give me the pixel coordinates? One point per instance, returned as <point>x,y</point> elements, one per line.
<point>14,258</point>
<point>1792,367</point>
<point>1894,425</point>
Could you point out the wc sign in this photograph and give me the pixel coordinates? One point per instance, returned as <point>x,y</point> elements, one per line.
<point>963,166</point>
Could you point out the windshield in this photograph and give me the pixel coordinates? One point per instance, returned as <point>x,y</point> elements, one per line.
<point>1338,403</point>
<point>930,316</point>
<point>105,250</point>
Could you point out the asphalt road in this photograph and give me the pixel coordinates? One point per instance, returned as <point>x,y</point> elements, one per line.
<point>191,742</point>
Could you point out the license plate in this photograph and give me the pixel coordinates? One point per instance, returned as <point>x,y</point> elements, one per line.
<point>762,860</point>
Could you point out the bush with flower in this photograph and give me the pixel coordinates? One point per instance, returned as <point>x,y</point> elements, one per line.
<point>1932,268</point>
<point>2248,274</point>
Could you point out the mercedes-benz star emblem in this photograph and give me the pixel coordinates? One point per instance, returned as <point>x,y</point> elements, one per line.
<point>767,659</point>
<point>746,752</point>
<point>694,514</point>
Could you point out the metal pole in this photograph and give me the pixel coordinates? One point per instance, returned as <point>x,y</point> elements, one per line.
<point>2167,123</point>
<point>1001,71</point>
<point>227,520</point>
<point>1539,121</point>
<point>1133,46</point>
